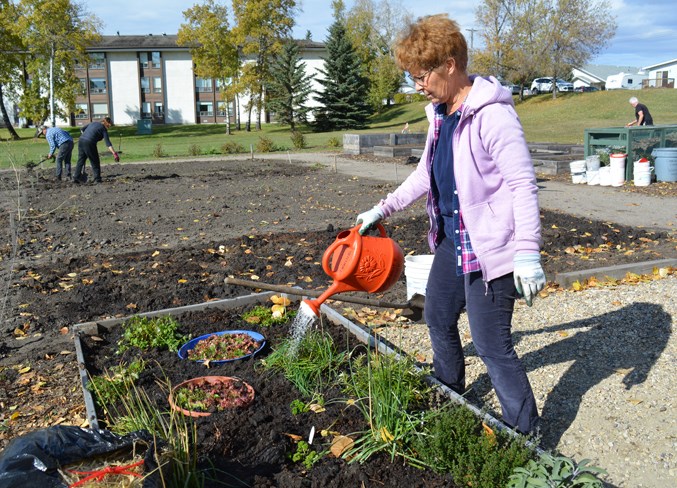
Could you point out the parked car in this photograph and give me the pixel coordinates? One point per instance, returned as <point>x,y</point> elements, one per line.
<point>514,89</point>
<point>545,85</point>
<point>581,89</point>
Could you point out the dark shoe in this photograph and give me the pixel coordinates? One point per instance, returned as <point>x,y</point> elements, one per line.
<point>97,182</point>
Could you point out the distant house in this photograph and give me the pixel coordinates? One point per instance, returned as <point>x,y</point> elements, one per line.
<point>596,74</point>
<point>661,75</point>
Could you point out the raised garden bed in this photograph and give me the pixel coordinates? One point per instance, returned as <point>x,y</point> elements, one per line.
<point>269,442</point>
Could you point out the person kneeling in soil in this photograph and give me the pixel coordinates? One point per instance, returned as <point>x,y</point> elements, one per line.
<point>482,202</point>
<point>92,134</point>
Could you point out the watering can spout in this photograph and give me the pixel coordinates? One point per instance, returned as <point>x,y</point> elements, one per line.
<point>310,308</point>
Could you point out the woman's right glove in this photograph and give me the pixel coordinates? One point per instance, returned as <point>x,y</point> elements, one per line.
<point>369,219</point>
<point>529,275</point>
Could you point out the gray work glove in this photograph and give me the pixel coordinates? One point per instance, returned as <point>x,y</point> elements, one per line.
<point>369,219</point>
<point>529,275</point>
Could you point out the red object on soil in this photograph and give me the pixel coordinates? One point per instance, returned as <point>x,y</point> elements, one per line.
<point>222,392</point>
<point>360,263</point>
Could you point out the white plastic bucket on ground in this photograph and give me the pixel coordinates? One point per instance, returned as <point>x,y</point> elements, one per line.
<point>617,163</point>
<point>577,169</point>
<point>605,176</point>
<point>592,177</point>
<point>665,163</point>
<point>592,163</point>
<point>642,173</point>
<point>416,271</point>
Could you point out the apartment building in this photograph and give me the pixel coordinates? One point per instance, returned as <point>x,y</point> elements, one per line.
<point>132,78</point>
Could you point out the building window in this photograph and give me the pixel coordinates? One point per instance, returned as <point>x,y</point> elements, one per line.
<point>159,109</point>
<point>97,61</point>
<point>81,111</point>
<point>203,85</point>
<point>145,110</point>
<point>222,83</point>
<point>143,59</point>
<point>99,110</point>
<point>97,85</point>
<point>157,84</point>
<point>155,59</point>
<point>221,108</point>
<point>83,86</point>
<point>145,84</point>
<point>205,109</point>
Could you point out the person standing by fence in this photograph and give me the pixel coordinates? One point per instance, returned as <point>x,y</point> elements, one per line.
<point>59,139</point>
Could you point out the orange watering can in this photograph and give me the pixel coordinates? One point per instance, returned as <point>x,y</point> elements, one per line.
<point>360,263</point>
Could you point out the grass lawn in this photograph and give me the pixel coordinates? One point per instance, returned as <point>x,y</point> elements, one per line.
<point>562,120</point>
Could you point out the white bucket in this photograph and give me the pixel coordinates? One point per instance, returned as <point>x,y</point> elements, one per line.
<point>605,176</point>
<point>592,163</point>
<point>592,177</point>
<point>617,163</point>
<point>642,173</point>
<point>416,271</point>
<point>577,169</point>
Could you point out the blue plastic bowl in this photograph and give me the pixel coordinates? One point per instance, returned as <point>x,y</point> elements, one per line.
<point>183,351</point>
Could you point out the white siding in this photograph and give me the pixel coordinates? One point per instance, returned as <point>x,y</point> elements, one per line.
<point>180,94</point>
<point>124,88</point>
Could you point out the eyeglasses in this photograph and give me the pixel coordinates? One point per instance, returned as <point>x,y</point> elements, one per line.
<point>421,79</point>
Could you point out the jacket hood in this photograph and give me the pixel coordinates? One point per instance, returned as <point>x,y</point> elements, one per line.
<point>486,91</point>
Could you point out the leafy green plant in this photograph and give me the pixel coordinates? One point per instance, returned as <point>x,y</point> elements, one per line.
<point>389,392</point>
<point>297,407</point>
<point>145,333</point>
<point>298,140</point>
<point>314,365</point>
<point>115,383</point>
<point>453,440</point>
<point>556,472</point>
<point>232,147</point>
<point>334,142</point>
<point>604,153</point>
<point>305,455</point>
<point>265,316</point>
<point>265,144</point>
<point>158,151</point>
<point>194,150</point>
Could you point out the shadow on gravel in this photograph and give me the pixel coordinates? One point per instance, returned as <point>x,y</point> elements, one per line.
<point>627,341</point>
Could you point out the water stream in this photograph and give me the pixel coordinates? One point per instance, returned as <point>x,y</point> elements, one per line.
<point>299,327</point>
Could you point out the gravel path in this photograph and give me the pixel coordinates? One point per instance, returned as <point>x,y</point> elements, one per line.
<point>602,366</point>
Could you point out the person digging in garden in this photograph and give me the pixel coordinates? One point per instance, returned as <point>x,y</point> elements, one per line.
<point>92,134</point>
<point>59,139</point>
<point>482,201</point>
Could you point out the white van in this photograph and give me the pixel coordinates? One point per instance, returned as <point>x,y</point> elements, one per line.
<point>625,81</point>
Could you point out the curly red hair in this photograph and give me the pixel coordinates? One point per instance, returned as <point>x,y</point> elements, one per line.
<point>429,42</point>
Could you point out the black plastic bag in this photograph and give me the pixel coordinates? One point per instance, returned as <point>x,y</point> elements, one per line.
<point>33,460</point>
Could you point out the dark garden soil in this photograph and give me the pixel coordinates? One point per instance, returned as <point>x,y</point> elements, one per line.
<point>252,446</point>
<point>164,235</point>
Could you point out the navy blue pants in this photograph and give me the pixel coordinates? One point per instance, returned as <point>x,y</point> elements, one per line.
<point>63,159</point>
<point>489,310</point>
<point>87,149</point>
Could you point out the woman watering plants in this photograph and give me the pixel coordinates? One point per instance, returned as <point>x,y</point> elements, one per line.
<point>483,207</point>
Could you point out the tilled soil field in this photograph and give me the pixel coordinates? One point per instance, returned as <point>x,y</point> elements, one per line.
<point>164,235</point>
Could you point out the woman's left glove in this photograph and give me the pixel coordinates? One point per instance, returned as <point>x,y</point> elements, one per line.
<point>369,219</point>
<point>529,275</point>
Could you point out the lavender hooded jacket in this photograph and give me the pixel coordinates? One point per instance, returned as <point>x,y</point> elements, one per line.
<point>494,177</point>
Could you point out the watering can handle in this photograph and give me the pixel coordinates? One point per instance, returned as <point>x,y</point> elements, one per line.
<point>354,240</point>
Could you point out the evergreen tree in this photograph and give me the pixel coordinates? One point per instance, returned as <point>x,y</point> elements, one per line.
<point>289,88</point>
<point>345,96</point>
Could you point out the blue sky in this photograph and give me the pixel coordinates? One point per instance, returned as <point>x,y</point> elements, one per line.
<point>646,35</point>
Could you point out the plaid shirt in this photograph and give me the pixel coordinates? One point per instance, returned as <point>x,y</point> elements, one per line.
<point>466,259</point>
<point>55,137</point>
